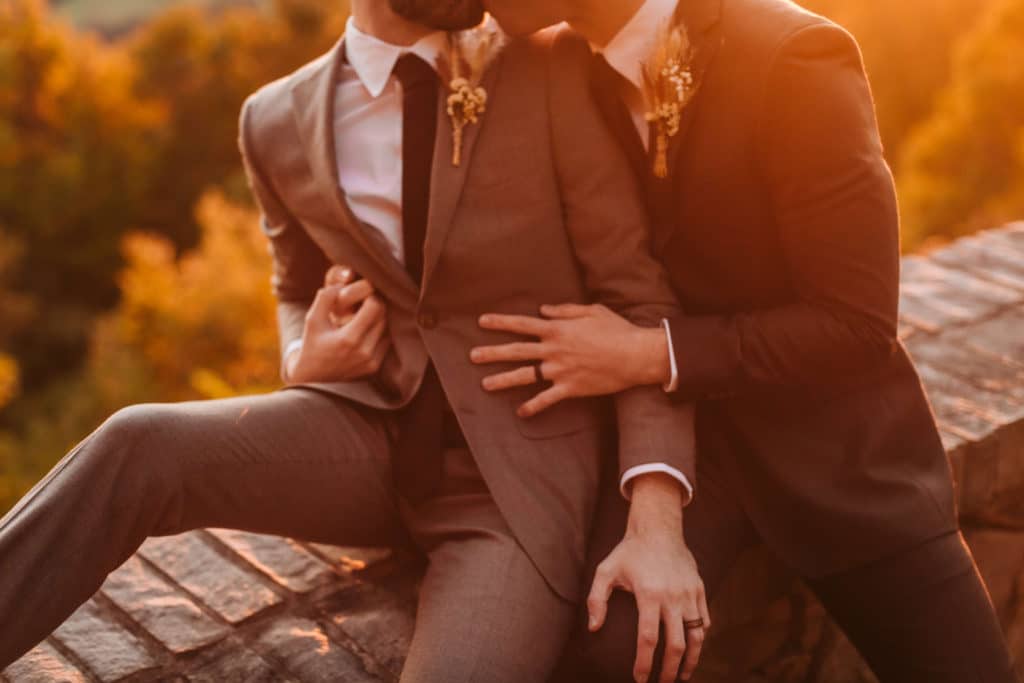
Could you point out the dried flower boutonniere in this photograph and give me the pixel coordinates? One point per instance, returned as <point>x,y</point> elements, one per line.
<point>470,53</point>
<point>669,85</point>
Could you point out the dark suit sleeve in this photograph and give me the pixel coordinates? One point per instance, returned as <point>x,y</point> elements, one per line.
<point>835,210</point>
<point>608,224</point>
<point>299,264</point>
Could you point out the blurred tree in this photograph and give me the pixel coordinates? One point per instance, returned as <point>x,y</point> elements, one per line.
<point>9,379</point>
<point>963,168</point>
<point>202,326</point>
<point>97,139</point>
<point>76,147</point>
<point>201,70</point>
<point>907,50</point>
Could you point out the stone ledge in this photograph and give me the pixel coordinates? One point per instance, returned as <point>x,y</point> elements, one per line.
<point>218,605</point>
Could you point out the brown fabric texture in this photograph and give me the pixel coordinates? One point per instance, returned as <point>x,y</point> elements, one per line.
<point>299,463</point>
<point>542,209</point>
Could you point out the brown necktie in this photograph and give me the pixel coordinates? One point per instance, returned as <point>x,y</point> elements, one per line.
<point>419,450</point>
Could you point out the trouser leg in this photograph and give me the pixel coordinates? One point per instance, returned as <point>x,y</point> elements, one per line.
<point>296,462</point>
<point>486,614</point>
<point>717,533</point>
<point>921,616</point>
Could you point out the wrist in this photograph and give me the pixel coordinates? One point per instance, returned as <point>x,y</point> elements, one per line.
<point>656,506</point>
<point>291,366</point>
<point>651,363</point>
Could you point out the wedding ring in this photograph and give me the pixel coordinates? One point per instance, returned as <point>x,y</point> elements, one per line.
<point>539,374</point>
<point>693,625</point>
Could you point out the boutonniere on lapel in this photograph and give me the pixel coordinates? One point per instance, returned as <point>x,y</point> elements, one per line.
<point>669,85</point>
<point>470,52</point>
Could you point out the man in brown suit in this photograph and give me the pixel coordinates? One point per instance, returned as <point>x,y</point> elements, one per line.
<point>385,433</point>
<point>778,224</point>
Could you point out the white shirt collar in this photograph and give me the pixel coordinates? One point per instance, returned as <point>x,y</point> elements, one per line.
<point>633,44</point>
<point>373,60</point>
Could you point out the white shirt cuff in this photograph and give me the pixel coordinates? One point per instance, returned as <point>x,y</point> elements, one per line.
<point>652,468</point>
<point>673,383</point>
<point>294,346</point>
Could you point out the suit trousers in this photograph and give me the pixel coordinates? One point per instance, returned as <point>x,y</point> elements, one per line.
<point>922,615</point>
<point>297,463</point>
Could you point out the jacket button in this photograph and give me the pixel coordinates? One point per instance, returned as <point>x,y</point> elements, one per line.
<point>427,320</point>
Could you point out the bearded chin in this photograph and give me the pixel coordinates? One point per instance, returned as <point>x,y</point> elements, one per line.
<point>443,15</point>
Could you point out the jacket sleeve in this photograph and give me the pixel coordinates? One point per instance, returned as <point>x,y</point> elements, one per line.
<point>608,224</point>
<point>299,266</point>
<point>835,210</point>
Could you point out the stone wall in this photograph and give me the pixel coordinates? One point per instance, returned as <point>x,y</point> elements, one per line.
<point>222,606</point>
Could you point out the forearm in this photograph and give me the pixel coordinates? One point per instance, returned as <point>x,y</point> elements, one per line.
<point>790,347</point>
<point>656,506</point>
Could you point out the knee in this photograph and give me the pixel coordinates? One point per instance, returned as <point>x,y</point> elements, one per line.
<point>609,654</point>
<point>126,442</point>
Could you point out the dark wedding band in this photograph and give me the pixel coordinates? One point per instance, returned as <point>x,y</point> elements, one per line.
<point>693,625</point>
<point>539,374</point>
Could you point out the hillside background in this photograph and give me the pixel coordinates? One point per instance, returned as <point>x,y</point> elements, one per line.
<point>131,265</point>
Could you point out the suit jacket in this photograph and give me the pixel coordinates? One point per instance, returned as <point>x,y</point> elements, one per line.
<point>779,227</point>
<point>542,209</point>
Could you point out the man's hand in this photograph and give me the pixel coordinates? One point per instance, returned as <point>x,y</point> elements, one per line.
<point>653,562</point>
<point>582,351</point>
<point>345,336</point>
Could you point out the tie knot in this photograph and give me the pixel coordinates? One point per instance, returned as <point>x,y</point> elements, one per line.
<point>411,71</point>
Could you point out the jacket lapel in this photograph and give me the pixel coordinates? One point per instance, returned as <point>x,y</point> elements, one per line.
<point>617,116</point>
<point>448,180</point>
<point>313,105</point>
<point>701,18</point>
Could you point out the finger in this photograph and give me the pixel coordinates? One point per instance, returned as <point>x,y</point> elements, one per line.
<point>646,639</point>
<point>565,311</point>
<point>675,644</point>
<point>320,309</point>
<point>544,400</point>
<point>693,651</point>
<point>339,275</point>
<point>516,324</point>
<point>507,353</point>
<point>373,336</point>
<point>340,320</point>
<point>705,613</point>
<point>597,601</point>
<point>372,311</point>
<point>522,377</point>
<point>694,644</point>
<point>351,295</point>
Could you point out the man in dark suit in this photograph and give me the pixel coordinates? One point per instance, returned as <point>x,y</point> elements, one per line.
<point>777,221</point>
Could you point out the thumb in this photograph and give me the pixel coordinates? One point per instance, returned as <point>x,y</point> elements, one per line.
<point>564,311</point>
<point>597,601</point>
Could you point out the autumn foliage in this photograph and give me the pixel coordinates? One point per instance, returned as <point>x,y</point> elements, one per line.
<point>131,266</point>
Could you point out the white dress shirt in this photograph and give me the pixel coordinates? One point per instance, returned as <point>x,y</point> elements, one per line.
<point>368,109</point>
<point>626,52</point>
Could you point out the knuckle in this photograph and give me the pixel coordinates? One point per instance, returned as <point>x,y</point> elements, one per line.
<point>649,637</point>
